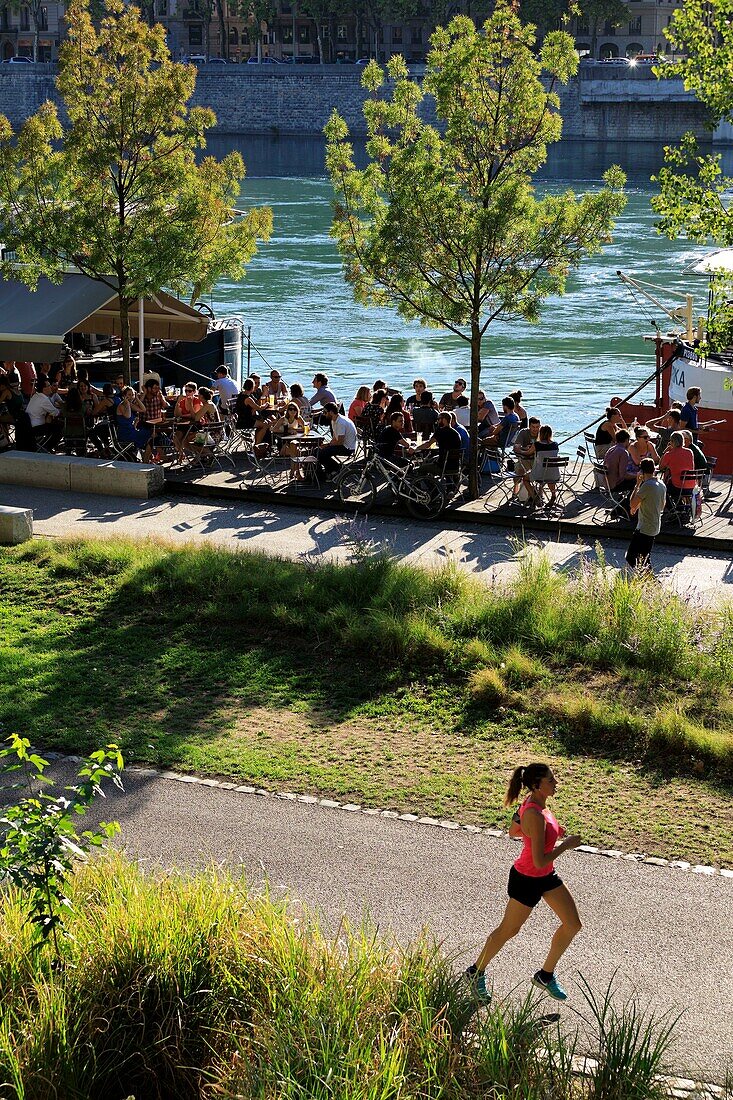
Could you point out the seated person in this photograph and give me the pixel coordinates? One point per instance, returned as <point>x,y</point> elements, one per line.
<point>362,399</point>
<point>620,471</point>
<point>397,404</point>
<point>545,447</point>
<point>290,423</point>
<point>323,394</point>
<point>664,426</point>
<point>425,415</point>
<point>642,447</point>
<point>246,406</point>
<point>607,429</point>
<point>419,386</point>
<point>676,461</point>
<point>451,401</point>
<point>519,408</point>
<point>465,437</point>
<point>227,388</point>
<point>448,442</point>
<point>187,405</point>
<point>506,428</point>
<point>524,449</point>
<point>45,417</point>
<point>343,441</point>
<point>391,441</point>
<point>701,461</point>
<point>297,395</point>
<point>129,410</point>
<point>200,441</point>
<point>372,415</point>
<point>488,417</point>
<point>75,423</point>
<point>275,389</point>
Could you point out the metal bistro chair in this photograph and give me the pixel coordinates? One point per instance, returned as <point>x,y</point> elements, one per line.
<point>685,506</point>
<point>206,447</point>
<point>500,480</point>
<point>610,500</point>
<point>553,470</point>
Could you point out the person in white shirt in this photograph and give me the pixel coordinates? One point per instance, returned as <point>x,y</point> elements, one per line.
<point>227,387</point>
<point>343,441</point>
<point>44,415</point>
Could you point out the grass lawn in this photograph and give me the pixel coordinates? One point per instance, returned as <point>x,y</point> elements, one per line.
<point>382,684</point>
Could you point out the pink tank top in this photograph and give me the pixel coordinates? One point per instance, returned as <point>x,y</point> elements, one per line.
<point>525,864</point>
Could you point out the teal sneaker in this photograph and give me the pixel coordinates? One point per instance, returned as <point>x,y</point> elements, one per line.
<point>551,987</point>
<point>476,983</point>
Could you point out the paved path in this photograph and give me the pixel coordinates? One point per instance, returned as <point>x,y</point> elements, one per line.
<point>294,532</point>
<point>665,932</point>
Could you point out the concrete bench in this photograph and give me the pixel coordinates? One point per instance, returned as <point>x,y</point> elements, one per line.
<point>81,475</point>
<point>16,525</point>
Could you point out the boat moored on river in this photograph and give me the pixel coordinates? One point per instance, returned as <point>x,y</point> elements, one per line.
<point>683,363</point>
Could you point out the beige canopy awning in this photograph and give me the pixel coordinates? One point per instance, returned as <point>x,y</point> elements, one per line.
<point>165,319</point>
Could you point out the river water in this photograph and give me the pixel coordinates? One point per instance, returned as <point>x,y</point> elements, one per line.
<point>587,348</point>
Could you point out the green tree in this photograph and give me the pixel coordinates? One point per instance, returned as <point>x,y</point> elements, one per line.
<point>444,224</point>
<point>258,13</point>
<point>694,193</point>
<point>118,193</point>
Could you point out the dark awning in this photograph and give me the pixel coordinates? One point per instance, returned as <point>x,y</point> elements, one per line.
<point>33,322</point>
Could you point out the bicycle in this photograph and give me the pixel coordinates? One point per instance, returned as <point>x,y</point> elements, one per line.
<point>358,485</point>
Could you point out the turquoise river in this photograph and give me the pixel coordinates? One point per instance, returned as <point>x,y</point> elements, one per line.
<point>588,346</point>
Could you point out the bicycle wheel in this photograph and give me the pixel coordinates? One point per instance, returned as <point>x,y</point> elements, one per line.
<point>357,487</point>
<point>426,498</point>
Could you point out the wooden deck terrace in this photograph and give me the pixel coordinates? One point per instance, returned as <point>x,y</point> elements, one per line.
<point>584,515</point>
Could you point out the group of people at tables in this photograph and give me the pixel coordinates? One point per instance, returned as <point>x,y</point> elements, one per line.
<point>671,441</point>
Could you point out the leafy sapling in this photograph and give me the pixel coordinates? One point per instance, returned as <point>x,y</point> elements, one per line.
<point>39,841</point>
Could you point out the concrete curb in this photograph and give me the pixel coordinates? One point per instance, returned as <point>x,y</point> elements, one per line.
<point>407,818</point>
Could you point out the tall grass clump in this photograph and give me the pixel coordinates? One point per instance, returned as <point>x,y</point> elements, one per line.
<point>192,987</point>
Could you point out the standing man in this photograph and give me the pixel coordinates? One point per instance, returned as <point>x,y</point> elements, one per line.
<point>27,372</point>
<point>647,502</point>
<point>343,441</point>
<point>689,413</point>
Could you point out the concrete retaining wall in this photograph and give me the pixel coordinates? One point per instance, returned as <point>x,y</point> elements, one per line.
<point>81,475</point>
<point>16,525</point>
<point>601,104</point>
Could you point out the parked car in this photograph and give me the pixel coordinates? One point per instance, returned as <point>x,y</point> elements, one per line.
<point>264,61</point>
<point>618,62</point>
<point>193,59</point>
<point>217,61</point>
<point>18,61</point>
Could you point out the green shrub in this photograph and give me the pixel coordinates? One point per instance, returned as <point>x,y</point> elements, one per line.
<point>192,987</point>
<point>487,687</point>
<point>520,669</point>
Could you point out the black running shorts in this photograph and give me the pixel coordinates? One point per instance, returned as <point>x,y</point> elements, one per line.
<point>528,889</point>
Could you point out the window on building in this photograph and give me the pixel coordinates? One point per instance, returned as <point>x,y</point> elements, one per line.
<point>417,36</point>
<point>396,36</point>
<point>582,28</point>
<point>341,32</point>
<point>325,32</point>
<point>244,37</point>
<point>635,25</point>
<point>608,29</point>
<point>161,8</point>
<point>304,34</point>
<point>3,19</point>
<point>25,19</point>
<point>286,9</point>
<point>43,18</point>
<point>287,35</point>
<point>196,35</point>
<point>233,36</point>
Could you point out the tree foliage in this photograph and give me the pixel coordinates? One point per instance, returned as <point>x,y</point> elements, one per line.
<point>444,224</point>
<point>118,191</point>
<point>39,841</point>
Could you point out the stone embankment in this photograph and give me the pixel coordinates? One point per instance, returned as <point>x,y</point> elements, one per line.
<point>601,104</point>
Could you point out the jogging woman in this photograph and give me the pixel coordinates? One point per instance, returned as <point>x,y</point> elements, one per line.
<point>531,879</point>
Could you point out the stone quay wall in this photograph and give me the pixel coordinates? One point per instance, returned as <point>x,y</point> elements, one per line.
<point>600,104</point>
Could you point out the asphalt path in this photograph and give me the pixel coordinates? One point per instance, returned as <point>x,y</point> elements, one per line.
<point>660,932</point>
<point>492,553</point>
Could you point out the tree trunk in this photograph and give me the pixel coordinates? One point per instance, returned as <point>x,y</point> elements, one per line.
<point>319,40</point>
<point>223,33</point>
<point>125,330</point>
<point>473,468</point>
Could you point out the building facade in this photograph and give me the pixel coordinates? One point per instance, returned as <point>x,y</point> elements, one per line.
<point>198,28</point>
<point>21,25</point>
<point>641,33</point>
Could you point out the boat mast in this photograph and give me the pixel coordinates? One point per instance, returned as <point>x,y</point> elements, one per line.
<point>680,313</point>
